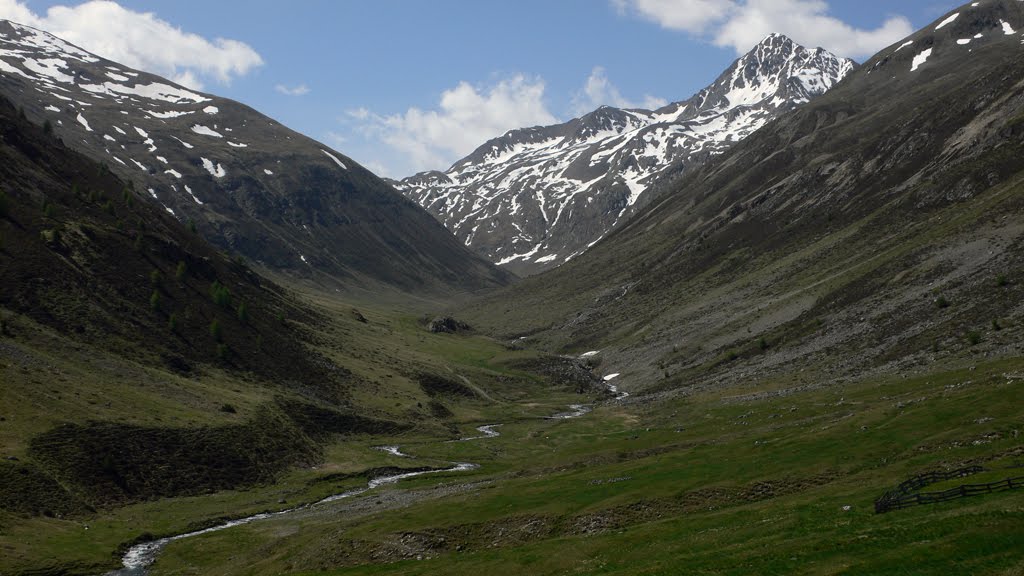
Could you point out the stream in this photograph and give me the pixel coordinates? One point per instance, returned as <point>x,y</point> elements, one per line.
<point>137,560</point>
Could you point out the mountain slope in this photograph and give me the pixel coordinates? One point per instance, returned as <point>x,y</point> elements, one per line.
<point>252,186</point>
<point>877,228</point>
<point>536,197</point>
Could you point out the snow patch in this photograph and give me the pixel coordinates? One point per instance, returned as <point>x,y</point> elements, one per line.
<point>169,114</point>
<point>1007,29</point>
<point>81,120</point>
<point>215,170</point>
<point>205,131</point>
<point>174,173</point>
<point>211,110</point>
<point>947,21</point>
<point>920,59</point>
<point>192,194</point>
<point>333,157</point>
<point>237,144</point>
<point>268,172</point>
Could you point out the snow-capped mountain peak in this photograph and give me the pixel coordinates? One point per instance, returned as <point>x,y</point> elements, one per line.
<point>536,197</point>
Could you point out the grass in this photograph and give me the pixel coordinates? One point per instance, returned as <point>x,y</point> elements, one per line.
<point>715,483</point>
<point>43,388</point>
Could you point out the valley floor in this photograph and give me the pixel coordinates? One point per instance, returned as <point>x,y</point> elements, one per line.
<point>750,479</point>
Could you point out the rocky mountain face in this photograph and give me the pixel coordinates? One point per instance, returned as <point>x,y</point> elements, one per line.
<point>876,229</point>
<point>250,185</point>
<point>537,197</point>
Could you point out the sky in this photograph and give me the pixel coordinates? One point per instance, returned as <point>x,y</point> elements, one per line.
<point>403,86</point>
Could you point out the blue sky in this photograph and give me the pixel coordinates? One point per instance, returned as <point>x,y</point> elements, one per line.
<point>407,85</point>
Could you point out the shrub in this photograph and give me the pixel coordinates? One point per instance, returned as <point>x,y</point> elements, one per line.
<point>181,271</point>
<point>154,301</point>
<point>215,330</point>
<point>996,325</point>
<point>222,351</point>
<point>48,127</point>
<point>220,294</point>
<point>109,207</point>
<point>941,302</point>
<point>51,237</point>
<point>228,408</point>
<point>974,338</point>
<point>762,344</point>
<point>243,313</point>
<point>155,277</point>
<point>1002,280</point>
<point>4,205</point>
<point>192,226</point>
<point>172,323</point>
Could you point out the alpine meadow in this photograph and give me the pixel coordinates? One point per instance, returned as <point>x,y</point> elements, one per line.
<point>773,324</point>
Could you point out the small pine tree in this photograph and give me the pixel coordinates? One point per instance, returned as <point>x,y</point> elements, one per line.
<point>4,205</point>
<point>215,330</point>
<point>220,294</point>
<point>172,323</point>
<point>181,271</point>
<point>1002,280</point>
<point>941,302</point>
<point>192,226</point>
<point>243,313</point>
<point>155,277</point>
<point>996,325</point>
<point>154,301</point>
<point>109,207</point>
<point>48,127</point>
<point>3,244</point>
<point>222,351</point>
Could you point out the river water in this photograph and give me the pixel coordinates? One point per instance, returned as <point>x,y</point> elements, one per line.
<point>137,560</point>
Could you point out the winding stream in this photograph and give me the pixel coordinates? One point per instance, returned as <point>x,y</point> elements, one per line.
<point>137,560</point>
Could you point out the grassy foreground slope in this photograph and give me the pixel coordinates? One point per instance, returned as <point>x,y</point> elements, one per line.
<point>735,482</point>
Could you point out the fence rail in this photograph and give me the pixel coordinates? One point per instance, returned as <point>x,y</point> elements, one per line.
<point>905,495</point>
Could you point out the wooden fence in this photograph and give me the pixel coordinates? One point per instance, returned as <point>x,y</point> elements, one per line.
<point>906,494</point>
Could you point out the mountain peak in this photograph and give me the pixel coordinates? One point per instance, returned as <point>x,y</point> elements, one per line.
<point>537,197</point>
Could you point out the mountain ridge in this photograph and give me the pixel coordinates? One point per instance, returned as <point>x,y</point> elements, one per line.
<point>544,194</point>
<point>827,245</point>
<point>253,187</point>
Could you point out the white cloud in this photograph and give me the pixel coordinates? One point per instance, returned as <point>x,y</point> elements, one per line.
<point>688,15</point>
<point>140,40</point>
<point>599,91</point>
<point>466,117</point>
<point>300,90</point>
<point>740,24</point>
